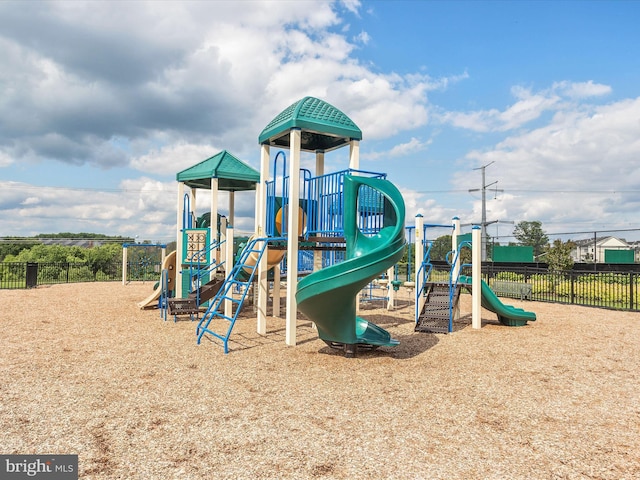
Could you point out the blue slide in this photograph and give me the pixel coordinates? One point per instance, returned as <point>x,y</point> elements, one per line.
<point>328,296</point>
<point>507,314</point>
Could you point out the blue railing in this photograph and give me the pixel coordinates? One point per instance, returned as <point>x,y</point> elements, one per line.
<point>422,277</point>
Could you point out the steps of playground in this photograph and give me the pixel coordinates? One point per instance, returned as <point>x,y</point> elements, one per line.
<point>434,317</point>
<point>189,305</point>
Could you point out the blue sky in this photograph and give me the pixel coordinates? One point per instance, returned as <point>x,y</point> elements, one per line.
<point>104,102</point>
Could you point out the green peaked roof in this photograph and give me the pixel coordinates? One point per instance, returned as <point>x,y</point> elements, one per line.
<point>232,174</point>
<point>323,126</point>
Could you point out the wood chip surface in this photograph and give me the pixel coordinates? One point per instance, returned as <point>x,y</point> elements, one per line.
<point>84,371</point>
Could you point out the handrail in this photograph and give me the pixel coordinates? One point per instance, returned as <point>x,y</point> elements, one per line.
<point>453,284</point>
<point>187,215</point>
<point>426,262</point>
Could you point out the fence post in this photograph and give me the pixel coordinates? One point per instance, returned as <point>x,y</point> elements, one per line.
<point>573,292</point>
<point>631,282</point>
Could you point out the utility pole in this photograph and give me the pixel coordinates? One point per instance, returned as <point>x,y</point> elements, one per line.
<point>484,223</point>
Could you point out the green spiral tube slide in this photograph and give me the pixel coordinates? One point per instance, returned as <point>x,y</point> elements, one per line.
<point>328,296</point>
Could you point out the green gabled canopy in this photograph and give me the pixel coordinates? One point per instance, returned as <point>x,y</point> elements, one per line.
<point>232,174</point>
<point>323,126</point>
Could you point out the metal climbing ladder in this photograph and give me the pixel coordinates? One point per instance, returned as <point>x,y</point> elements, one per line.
<point>437,314</point>
<point>440,299</point>
<point>239,279</point>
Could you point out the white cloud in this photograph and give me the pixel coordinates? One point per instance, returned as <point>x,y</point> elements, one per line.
<point>5,160</point>
<point>352,5</point>
<point>363,38</point>
<point>529,106</point>
<point>580,90</point>
<point>172,158</point>
<point>579,169</point>
<point>143,206</point>
<point>431,209</point>
<point>185,76</point>
<point>412,146</point>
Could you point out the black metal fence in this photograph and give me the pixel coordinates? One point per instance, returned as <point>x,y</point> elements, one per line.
<point>15,275</point>
<point>604,289</point>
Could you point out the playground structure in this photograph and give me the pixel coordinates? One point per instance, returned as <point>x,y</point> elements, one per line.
<point>312,206</point>
<point>436,303</point>
<point>348,231</point>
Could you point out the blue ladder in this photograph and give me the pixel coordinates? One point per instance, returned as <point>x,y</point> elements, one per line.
<point>240,279</point>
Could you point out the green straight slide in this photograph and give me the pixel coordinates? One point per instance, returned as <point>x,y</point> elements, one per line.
<point>507,314</point>
<point>328,296</point>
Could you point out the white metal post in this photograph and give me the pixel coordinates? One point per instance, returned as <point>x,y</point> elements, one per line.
<point>390,290</point>
<point>232,206</point>
<point>476,278</point>
<point>275,297</point>
<point>213,223</point>
<point>228,253</point>
<point>295,136</point>
<point>354,154</point>
<point>124,265</point>
<point>317,254</point>
<point>419,251</point>
<point>261,231</point>
<point>179,246</point>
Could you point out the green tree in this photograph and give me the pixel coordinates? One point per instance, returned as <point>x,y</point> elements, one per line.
<point>558,256</point>
<point>531,234</point>
<point>101,258</point>
<point>49,253</point>
<point>441,246</point>
<point>13,249</point>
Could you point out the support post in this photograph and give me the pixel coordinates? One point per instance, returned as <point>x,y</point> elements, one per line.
<point>419,256</point>
<point>354,154</point>
<point>391,300</point>
<point>232,206</point>
<point>228,306</point>
<point>476,277</point>
<point>261,231</point>
<point>179,243</point>
<point>124,265</point>
<point>317,254</point>
<point>213,219</point>
<point>292,232</point>
<point>277,277</point>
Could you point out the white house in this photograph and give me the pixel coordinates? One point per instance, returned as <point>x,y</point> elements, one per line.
<point>586,249</point>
